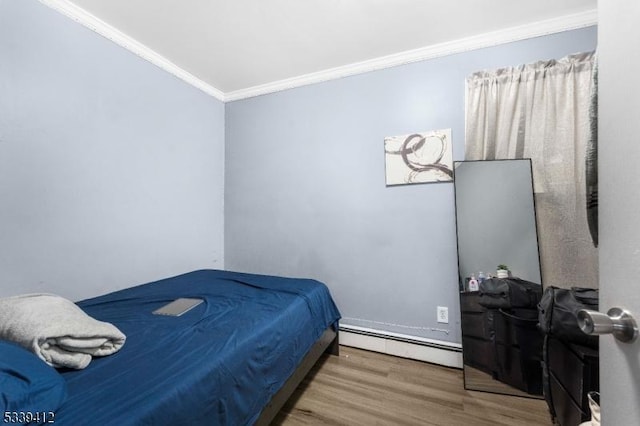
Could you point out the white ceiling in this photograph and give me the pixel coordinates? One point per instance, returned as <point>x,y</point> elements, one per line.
<point>233,45</point>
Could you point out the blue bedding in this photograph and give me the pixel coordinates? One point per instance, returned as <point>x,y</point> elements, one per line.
<point>219,363</point>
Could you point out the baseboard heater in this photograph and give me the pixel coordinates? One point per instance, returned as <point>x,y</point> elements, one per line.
<point>453,347</point>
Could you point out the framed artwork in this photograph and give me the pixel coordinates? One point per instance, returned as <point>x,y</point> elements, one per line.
<point>419,158</point>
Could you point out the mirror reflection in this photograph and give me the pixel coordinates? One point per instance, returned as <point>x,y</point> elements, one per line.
<point>499,269</point>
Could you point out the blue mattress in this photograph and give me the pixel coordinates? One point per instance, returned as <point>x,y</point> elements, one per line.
<point>219,363</point>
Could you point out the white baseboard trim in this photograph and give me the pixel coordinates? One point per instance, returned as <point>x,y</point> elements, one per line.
<point>421,349</point>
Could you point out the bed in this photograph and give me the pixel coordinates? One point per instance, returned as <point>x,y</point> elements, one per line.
<point>232,360</point>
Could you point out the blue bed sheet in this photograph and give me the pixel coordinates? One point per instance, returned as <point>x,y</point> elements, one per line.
<point>219,363</point>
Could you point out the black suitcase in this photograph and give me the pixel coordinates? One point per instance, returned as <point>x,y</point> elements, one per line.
<point>506,293</point>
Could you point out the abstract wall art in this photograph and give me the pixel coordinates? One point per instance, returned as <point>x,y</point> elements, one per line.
<point>419,158</point>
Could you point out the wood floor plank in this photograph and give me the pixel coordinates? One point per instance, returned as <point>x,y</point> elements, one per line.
<point>367,388</point>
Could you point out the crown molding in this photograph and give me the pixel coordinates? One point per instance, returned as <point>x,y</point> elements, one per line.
<point>536,29</point>
<point>95,24</point>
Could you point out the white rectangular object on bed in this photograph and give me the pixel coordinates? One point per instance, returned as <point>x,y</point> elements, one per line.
<point>178,307</point>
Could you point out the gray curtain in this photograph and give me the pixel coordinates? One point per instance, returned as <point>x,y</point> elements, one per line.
<point>541,111</point>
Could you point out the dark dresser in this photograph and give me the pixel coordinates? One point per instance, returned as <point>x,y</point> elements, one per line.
<point>573,372</point>
<point>477,334</point>
<point>504,343</point>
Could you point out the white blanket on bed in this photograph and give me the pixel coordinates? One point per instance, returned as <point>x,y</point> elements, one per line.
<point>57,330</point>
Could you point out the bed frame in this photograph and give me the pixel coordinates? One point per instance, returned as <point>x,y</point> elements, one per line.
<point>327,343</point>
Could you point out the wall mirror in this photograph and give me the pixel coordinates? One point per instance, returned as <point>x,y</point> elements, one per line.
<point>496,224</point>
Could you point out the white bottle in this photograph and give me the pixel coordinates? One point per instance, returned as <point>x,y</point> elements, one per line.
<point>481,277</point>
<point>473,283</point>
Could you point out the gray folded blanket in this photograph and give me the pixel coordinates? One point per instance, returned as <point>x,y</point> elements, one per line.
<point>57,330</point>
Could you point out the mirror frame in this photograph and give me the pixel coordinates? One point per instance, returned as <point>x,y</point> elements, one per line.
<point>500,388</point>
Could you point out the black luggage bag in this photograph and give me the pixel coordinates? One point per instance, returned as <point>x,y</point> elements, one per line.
<point>506,293</point>
<point>558,313</point>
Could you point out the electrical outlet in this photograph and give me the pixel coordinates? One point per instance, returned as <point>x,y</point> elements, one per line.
<point>443,314</point>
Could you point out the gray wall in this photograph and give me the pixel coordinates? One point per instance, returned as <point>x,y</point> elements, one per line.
<point>112,174</point>
<point>305,190</point>
<point>111,170</point>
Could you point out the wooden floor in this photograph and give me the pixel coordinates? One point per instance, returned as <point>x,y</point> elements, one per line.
<point>476,379</point>
<point>367,388</point>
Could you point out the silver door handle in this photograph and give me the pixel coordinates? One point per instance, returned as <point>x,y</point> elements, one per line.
<point>618,322</point>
